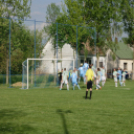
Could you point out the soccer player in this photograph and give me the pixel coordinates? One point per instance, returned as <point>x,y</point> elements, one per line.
<point>64,79</point>
<point>74,80</point>
<point>115,77</point>
<point>99,75</point>
<point>94,71</point>
<point>70,73</point>
<point>76,71</point>
<point>85,67</point>
<point>123,78</point>
<point>119,75</point>
<point>81,73</point>
<point>103,76</point>
<point>89,81</point>
<point>93,68</point>
<point>60,76</point>
<point>98,83</point>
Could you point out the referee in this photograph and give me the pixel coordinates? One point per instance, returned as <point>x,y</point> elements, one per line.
<point>89,80</point>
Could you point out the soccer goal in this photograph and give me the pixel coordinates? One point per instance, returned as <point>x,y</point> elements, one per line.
<point>40,73</point>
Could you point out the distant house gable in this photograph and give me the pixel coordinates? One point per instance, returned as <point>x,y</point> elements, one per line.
<point>124,51</point>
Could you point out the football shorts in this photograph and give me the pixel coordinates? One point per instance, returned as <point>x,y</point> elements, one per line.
<point>89,84</point>
<point>103,78</point>
<point>65,81</point>
<point>115,79</point>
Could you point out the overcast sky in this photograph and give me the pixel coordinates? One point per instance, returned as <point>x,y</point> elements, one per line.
<point>39,7</point>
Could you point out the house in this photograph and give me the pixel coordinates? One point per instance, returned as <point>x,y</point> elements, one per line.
<point>124,58</point>
<point>69,58</point>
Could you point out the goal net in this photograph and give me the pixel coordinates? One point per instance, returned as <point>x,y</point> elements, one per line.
<point>41,73</point>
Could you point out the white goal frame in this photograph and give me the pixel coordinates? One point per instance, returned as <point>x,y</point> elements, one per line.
<point>45,59</point>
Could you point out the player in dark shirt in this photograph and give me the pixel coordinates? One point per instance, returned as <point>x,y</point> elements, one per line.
<point>60,76</point>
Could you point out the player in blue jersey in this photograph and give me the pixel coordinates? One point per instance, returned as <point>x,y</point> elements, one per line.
<point>119,75</point>
<point>74,80</point>
<point>85,67</point>
<point>69,78</point>
<point>81,73</point>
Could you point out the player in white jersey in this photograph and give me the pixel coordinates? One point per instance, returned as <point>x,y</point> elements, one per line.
<point>99,74</point>
<point>98,79</point>
<point>93,68</point>
<point>115,77</point>
<point>64,79</point>
<point>98,83</point>
<point>103,76</point>
<point>124,77</point>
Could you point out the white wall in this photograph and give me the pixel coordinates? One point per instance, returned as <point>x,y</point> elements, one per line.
<point>129,64</point>
<point>118,63</point>
<point>101,59</point>
<point>48,52</point>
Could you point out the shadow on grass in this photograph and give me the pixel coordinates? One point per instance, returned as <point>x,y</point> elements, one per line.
<point>14,128</point>
<point>10,113</point>
<point>62,114</point>
<point>9,122</point>
<point>84,97</point>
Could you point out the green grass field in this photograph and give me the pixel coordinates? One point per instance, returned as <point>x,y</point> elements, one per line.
<point>50,111</point>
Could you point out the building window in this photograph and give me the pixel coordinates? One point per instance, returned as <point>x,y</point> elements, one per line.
<point>82,61</point>
<point>101,64</point>
<point>125,65</point>
<point>88,60</point>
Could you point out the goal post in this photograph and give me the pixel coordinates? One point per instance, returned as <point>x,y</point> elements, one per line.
<point>43,72</point>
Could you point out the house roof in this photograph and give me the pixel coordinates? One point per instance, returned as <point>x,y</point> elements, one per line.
<point>124,51</point>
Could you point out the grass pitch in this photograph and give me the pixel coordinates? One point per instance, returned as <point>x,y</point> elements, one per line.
<point>50,111</point>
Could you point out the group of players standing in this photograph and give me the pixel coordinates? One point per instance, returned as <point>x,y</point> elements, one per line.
<point>65,77</point>
<point>90,75</point>
<point>119,75</point>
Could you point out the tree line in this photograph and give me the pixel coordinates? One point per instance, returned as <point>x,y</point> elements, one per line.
<point>110,18</point>
<point>22,38</point>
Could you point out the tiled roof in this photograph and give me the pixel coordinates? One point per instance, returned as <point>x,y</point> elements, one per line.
<point>124,51</point>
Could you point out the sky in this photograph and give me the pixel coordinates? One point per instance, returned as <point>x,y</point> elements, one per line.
<point>39,8</point>
<point>38,12</point>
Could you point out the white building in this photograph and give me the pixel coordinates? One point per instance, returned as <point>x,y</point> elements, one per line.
<point>124,58</point>
<point>67,54</point>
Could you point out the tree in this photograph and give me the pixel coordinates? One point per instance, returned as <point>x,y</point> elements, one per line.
<point>88,13</point>
<point>127,9</point>
<point>53,11</point>
<point>113,46</point>
<point>19,9</point>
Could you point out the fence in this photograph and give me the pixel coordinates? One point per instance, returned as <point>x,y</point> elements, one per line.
<point>30,38</point>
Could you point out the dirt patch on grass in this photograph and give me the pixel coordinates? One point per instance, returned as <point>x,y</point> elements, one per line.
<point>18,84</point>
